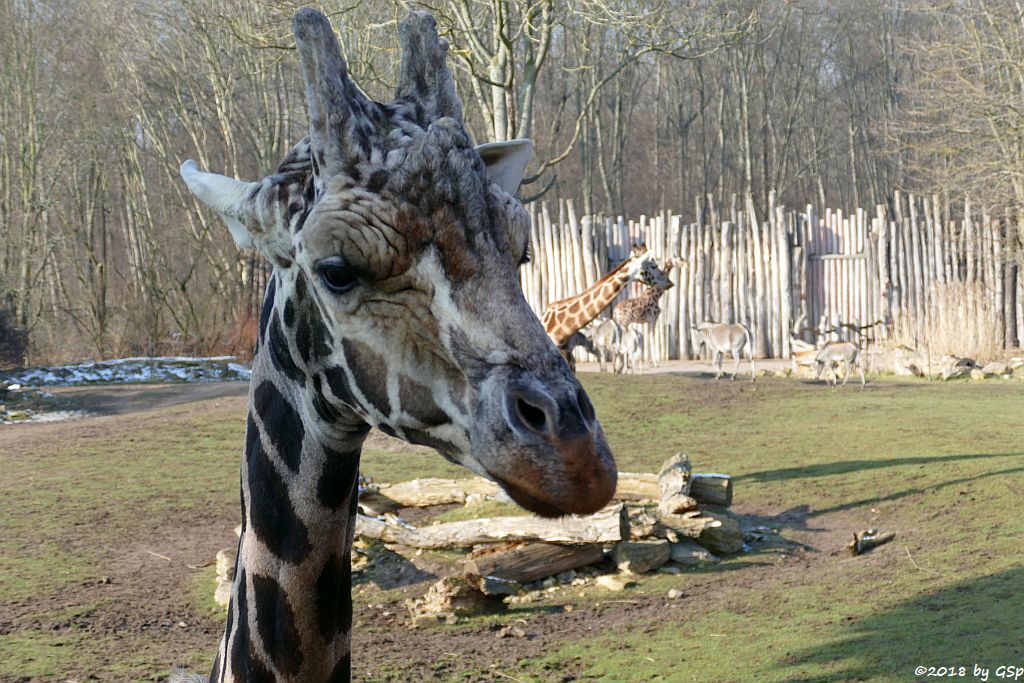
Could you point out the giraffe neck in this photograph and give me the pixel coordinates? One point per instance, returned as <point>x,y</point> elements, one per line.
<point>572,314</point>
<point>649,302</point>
<point>290,614</point>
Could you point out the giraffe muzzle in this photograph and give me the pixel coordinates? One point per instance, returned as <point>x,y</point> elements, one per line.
<point>557,461</point>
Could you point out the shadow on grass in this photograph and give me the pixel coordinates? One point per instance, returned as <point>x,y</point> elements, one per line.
<point>855,466</point>
<point>728,565</point>
<point>919,490</point>
<point>797,518</point>
<point>978,621</point>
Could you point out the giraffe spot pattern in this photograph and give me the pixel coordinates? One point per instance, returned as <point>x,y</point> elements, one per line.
<point>270,509</point>
<point>334,598</point>
<point>268,307</point>
<point>281,422</point>
<point>337,481</point>
<point>373,368</point>
<point>422,438</point>
<point>289,313</point>
<point>241,486</point>
<point>281,354</point>
<point>215,675</point>
<point>342,671</point>
<point>300,222</point>
<point>338,383</point>
<point>378,179</point>
<point>311,334</point>
<point>244,664</point>
<point>323,407</point>
<point>275,621</point>
<point>418,400</point>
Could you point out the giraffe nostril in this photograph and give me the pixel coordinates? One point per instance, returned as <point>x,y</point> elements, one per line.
<point>586,407</point>
<point>532,416</point>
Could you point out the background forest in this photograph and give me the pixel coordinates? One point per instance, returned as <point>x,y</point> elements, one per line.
<point>635,107</point>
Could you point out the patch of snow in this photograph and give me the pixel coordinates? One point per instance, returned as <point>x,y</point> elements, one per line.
<point>135,371</point>
<point>48,416</point>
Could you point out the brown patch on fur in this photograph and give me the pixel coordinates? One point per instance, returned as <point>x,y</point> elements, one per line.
<point>459,264</point>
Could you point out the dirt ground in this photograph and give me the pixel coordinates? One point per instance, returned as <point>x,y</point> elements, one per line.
<point>140,585</point>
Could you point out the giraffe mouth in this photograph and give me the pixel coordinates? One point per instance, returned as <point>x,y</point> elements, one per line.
<point>529,501</point>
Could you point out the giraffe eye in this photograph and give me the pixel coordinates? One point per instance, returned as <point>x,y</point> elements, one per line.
<point>527,255</point>
<point>336,275</point>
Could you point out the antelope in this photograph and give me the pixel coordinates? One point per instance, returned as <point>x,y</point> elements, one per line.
<point>834,353</point>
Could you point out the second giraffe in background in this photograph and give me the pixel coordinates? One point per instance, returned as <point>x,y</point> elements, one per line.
<point>646,309</point>
<point>564,318</point>
<point>722,337</point>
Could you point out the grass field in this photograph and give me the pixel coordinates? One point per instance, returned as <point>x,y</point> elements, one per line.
<point>103,524</point>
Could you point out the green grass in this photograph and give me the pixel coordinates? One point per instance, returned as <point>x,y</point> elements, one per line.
<point>942,464</point>
<point>103,484</point>
<point>63,502</point>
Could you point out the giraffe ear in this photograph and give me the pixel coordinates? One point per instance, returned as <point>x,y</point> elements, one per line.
<point>257,214</point>
<point>224,195</point>
<point>506,162</point>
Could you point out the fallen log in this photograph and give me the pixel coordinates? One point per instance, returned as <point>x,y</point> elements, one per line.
<point>864,541</point>
<point>636,486</point>
<point>712,489</point>
<point>642,523</point>
<point>709,489</point>
<point>382,498</point>
<point>724,538</point>
<point>532,561</point>
<point>674,528</point>
<point>632,486</point>
<point>674,486</point>
<point>605,526</point>
<point>720,533</point>
<point>640,557</point>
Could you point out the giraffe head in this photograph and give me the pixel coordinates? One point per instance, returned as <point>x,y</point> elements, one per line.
<point>395,300</point>
<point>643,268</point>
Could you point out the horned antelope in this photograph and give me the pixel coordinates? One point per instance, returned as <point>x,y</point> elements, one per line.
<point>722,337</point>
<point>834,353</point>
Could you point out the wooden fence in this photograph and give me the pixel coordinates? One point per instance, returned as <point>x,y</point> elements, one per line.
<point>911,275</point>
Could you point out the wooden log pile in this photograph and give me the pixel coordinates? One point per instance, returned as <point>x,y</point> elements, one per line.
<point>676,517</point>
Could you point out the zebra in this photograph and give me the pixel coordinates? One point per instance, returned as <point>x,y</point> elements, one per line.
<point>722,337</point>
<point>605,339</point>
<point>630,352</point>
<point>834,353</point>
